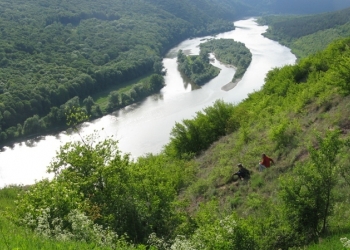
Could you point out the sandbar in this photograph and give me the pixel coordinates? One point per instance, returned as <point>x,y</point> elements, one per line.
<point>230,85</point>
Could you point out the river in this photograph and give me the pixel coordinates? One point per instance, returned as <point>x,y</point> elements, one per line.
<point>145,127</point>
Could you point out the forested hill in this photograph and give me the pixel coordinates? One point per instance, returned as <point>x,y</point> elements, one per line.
<point>306,35</point>
<point>54,54</point>
<point>296,6</point>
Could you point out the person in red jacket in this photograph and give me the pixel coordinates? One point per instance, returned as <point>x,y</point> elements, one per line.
<point>265,162</point>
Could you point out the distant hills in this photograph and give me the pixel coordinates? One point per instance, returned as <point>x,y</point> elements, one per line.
<point>308,34</point>
<point>296,6</point>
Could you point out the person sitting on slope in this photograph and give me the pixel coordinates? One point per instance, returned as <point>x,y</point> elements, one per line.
<point>242,172</point>
<point>265,162</point>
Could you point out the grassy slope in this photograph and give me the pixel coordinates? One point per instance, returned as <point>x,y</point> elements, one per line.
<point>280,120</point>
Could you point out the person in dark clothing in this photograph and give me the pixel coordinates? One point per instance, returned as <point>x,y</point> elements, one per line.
<point>242,173</point>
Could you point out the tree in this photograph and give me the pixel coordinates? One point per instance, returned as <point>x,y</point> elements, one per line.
<point>308,192</point>
<point>32,125</point>
<point>88,102</point>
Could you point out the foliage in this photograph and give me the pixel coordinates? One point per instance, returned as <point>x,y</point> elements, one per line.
<point>308,193</point>
<point>227,233</point>
<point>118,99</point>
<point>95,181</point>
<point>14,236</point>
<point>281,120</point>
<point>193,136</point>
<point>230,52</point>
<point>197,68</point>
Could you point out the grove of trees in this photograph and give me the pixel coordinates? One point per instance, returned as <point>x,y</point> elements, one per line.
<point>197,67</point>
<point>230,52</point>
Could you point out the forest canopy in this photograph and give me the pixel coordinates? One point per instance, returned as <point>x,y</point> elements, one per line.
<point>55,55</point>
<point>230,52</point>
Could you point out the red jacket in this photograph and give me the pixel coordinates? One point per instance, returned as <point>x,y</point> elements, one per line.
<point>266,161</point>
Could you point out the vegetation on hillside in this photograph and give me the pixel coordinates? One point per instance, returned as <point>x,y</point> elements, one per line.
<point>306,35</point>
<point>186,198</point>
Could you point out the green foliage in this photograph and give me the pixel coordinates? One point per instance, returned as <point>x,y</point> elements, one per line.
<point>283,133</point>
<point>196,68</point>
<point>227,233</point>
<point>230,52</point>
<point>305,25</point>
<point>116,196</point>
<point>294,102</point>
<point>16,236</point>
<point>193,136</point>
<point>120,99</point>
<point>308,193</point>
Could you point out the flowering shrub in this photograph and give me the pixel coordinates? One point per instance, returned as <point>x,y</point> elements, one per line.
<point>227,233</point>
<point>82,228</point>
<point>346,242</point>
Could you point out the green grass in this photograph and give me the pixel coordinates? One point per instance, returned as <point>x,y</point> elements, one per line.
<point>17,238</point>
<point>330,243</point>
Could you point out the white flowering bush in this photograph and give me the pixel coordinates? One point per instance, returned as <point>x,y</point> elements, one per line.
<point>158,243</point>
<point>228,233</point>
<point>181,243</point>
<point>346,242</point>
<point>82,229</point>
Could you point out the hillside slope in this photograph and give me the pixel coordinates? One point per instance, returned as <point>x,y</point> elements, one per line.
<point>283,120</point>
<point>186,196</point>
